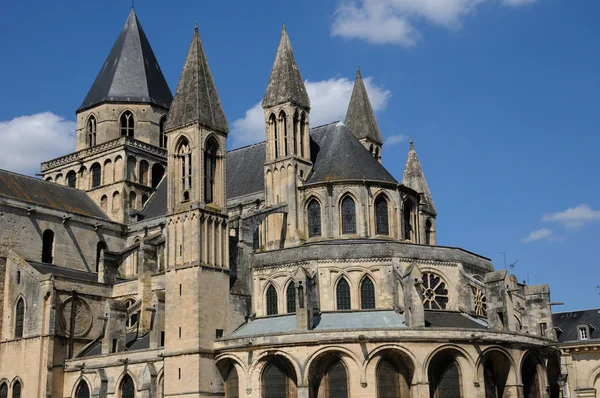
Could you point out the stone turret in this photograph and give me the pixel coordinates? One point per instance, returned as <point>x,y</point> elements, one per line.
<point>360,118</point>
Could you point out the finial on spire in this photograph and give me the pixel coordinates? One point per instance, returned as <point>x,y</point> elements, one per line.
<point>132,4</point>
<point>196,28</point>
<point>358,69</point>
<point>412,144</point>
<point>283,29</point>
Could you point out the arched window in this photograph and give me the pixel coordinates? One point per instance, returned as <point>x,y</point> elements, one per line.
<point>127,124</point>
<point>337,380</point>
<point>131,168</point>
<point>185,166</point>
<point>295,132</point>
<point>406,218</point>
<point>133,319</point>
<point>348,216</point>
<point>48,246</point>
<point>271,300</point>
<point>381,215</point>
<point>342,294</point>
<point>232,384</point>
<point>99,247</point>
<point>273,124</point>
<point>367,294</point>
<point>104,203</point>
<point>91,131</point>
<point>157,174</point>
<point>83,391</point>
<point>393,379</point>
<point>275,382</point>
<point>377,153</point>
<point>127,387</point>
<point>162,137</point>
<point>444,378</point>
<point>19,318</point>
<point>428,231</point>
<point>96,175</point>
<point>371,149</point>
<point>283,121</point>
<point>435,294</point>
<point>3,390</point>
<point>314,218</point>
<point>302,133</point>
<point>16,390</point>
<point>72,179</point>
<point>291,298</point>
<point>210,168</point>
<point>116,201</point>
<point>132,200</point>
<point>144,172</point>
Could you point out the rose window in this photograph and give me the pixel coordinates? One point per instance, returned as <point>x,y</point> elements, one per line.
<point>435,294</point>
<point>480,304</point>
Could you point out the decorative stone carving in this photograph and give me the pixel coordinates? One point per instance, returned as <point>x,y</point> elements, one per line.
<point>83,317</point>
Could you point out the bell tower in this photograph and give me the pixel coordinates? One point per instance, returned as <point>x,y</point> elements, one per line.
<point>287,108</point>
<point>197,274</point>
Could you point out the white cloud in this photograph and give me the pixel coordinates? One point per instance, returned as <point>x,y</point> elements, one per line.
<point>29,140</point>
<point>392,21</point>
<point>574,217</point>
<point>543,233</point>
<point>395,139</point>
<point>328,102</point>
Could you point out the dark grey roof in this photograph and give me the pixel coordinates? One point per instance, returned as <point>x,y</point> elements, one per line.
<point>285,83</point>
<point>337,155</point>
<point>245,172</point>
<point>447,319</point>
<point>131,343</point>
<point>196,99</point>
<point>360,118</point>
<point>567,322</point>
<point>131,72</point>
<point>384,319</point>
<point>48,194</point>
<point>46,269</point>
<point>415,179</point>
<point>157,203</point>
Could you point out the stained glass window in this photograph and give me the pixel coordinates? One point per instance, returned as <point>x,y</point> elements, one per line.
<point>314,218</point>
<point>19,317</point>
<point>271,300</point>
<point>348,216</point>
<point>343,295</point>
<point>291,298</point>
<point>381,215</point>
<point>367,294</point>
<point>435,294</point>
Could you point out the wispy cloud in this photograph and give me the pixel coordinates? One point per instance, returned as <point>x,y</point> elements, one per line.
<point>393,21</point>
<point>543,233</point>
<point>395,139</point>
<point>329,101</point>
<point>574,217</point>
<point>29,140</point>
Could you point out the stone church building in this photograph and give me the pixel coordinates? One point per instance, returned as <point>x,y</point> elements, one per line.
<point>151,262</point>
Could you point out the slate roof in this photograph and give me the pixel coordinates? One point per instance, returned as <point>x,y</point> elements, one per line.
<point>196,99</point>
<point>48,194</point>
<point>46,269</point>
<point>360,118</point>
<point>285,83</point>
<point>131,344</point>
<point>567,322</point>
<point>415,178</point>
<point>337,155</point>
<point>448,319</point>
<point>384,319</point>
<point>130,72</point>
<point>245,172</point>
<point>156,206</point>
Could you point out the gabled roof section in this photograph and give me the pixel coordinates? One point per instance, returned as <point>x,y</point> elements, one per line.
<point>415,179</point>
<point>48,194</point>
<point>131,72</point>
<point>285,83</point>
<point>196,99</point>
<point>338,155</point>
<point>157,204</point>
<point>245,170</point>
<point>360,118</point>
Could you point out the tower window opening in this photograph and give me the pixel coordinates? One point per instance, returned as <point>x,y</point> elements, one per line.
<point>295,133</point>
<point>96,170</point>
<point>72,179</point>
<point>127,124</point>
<point>185,167</point>
<point>162,136</point>
<point>406,218</point>
<point>210,168</point>
<point>274,133</point>
<point>91,131</point>
<point>283,121</point>
<point>302,133</point>
<point>428,231</point>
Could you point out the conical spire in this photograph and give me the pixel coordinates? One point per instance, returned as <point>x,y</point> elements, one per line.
<point>130,72</point>
<point>285,83</point>
<point>360,118</point>
<point>196,99</point>
<point>415,179</point>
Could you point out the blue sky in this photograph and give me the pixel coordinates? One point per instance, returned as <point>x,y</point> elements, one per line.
<point>500,96</point>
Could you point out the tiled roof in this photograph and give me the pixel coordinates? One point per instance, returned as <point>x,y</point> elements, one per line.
<point>448,319</point>
<point>245,171</point>
<point>567,323</point>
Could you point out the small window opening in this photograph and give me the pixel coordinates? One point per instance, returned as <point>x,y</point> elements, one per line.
<point>583,333</point>
<point>18,277</point>
<point>48,246</point>
<point>114,345</point>
<point>219,333</point>
<point>543,329</point>
<point>162,339</point>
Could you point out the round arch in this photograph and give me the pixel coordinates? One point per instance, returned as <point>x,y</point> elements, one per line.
<point>324,356</point>
<point>371,361</point>
<point>256,370</point>
<point>502,373</point>
<point>467,360</point>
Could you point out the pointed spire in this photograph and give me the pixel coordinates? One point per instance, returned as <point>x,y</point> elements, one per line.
<point>285,83</point>
<point>130,73</point>
<point>415,179</point>
<point>196,99</point>
<point>360,118</point>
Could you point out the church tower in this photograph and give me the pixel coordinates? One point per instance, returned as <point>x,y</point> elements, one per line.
<point>360,119</point>
<point>287,108</point>
<point>120,143</point>
<point>197,274</point>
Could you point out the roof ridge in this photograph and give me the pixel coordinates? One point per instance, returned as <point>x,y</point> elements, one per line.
<point>247,146</point>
